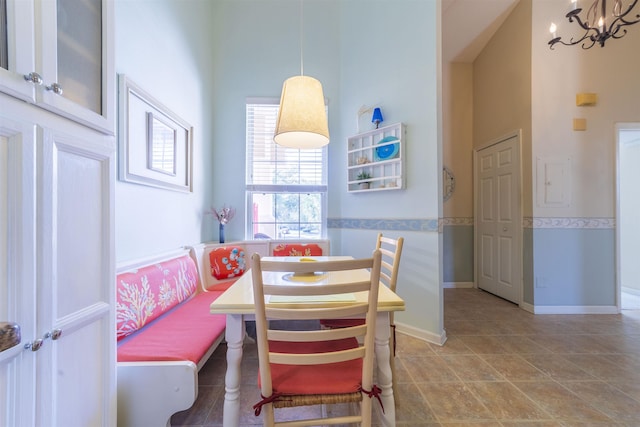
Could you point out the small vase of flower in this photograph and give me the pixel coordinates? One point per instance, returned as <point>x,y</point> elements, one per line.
<point>223,215</point>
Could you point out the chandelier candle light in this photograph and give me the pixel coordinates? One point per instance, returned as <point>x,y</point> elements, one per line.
<point>599,23</point>
<point>223,216</point>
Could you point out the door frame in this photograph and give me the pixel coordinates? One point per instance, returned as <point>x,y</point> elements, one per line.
<point>517,222</point>
<point>619,127</point>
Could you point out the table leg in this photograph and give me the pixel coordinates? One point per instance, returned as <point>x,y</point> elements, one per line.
<point>235,337</point>
<point>385,379</point>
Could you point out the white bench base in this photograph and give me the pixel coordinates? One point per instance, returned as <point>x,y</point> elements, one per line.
<point>144,398</point>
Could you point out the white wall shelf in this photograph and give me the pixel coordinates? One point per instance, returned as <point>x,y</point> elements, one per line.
<point>379,154</point>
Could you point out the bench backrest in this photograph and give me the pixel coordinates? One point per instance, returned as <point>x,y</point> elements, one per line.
<point>148,291</point>
<point>297,249</point>
<point>221,264</point>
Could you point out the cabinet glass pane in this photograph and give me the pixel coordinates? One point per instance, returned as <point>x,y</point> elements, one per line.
<point>4,55</point>
<point>80,52</point>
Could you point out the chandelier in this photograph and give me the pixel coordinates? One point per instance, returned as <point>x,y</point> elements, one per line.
<point>599,24</point>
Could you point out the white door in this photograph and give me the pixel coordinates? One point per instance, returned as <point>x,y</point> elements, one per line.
<point>56,212</point>
<point>498,244</point>
<point>17,269</point>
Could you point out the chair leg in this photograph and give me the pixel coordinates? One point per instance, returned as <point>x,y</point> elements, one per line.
<point>392,362</point>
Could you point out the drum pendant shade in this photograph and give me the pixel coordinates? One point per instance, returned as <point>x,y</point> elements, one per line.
<point>302,118</point>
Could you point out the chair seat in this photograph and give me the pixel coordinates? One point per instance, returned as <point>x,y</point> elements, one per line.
<point>331,378</point>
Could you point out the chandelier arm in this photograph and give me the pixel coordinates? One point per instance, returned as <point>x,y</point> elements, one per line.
<point>574,15</point>
<point>631,6</point>
<point>585,38</point>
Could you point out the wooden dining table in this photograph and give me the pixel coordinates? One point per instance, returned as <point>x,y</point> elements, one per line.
<point>237,304</point>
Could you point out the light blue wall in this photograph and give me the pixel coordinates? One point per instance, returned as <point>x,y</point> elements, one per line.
<point>165,48</point>
<point>574,267</point>
<point>457,254</point>
<point>256,47</point>
<point>363,52</point>
<point>202,59</point>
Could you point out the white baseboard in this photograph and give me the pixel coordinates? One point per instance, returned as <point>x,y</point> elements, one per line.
<point>422,334</point>
<point>630,291</point>
<point>573,309</point>
<point>458,285</point>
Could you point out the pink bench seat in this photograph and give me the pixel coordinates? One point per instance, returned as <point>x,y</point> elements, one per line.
<point>185,333</point>
<point>165,335</point>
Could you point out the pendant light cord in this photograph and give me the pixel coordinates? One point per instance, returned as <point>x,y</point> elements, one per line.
<point>301,38</point>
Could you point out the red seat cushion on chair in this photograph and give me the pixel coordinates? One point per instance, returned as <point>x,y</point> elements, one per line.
<point>333,378</point>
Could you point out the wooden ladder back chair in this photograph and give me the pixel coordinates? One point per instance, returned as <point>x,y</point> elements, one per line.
<point>322,366</point>
<point>391,250</point>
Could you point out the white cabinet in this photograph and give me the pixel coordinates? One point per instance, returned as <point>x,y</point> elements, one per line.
<point>57,277</point>
<point>60,57</point>
<point>376,159</point>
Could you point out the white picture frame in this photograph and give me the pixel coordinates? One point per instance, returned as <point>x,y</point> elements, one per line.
<point>154,144</point>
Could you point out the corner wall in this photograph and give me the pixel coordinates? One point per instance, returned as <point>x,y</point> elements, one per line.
<point>165,49</point>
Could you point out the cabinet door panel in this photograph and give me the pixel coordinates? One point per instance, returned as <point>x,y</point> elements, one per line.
<point>19,50</point>
<point>17,269</point>
<point>75,43</point>
<point>76,286</point>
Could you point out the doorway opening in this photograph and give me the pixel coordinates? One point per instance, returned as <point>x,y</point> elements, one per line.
<point>627,214</point>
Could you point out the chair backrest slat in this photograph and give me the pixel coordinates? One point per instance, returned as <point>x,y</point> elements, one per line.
<point>319,335</point>
<point>318,358</point>
<point>391,250</point>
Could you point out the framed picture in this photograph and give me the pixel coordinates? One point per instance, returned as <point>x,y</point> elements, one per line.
<point>154,144</point>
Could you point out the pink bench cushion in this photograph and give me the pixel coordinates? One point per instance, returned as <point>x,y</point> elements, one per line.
<point>297,249</point>
<point>145,294</point>
<point>186,333</point>
<point>227,262</point>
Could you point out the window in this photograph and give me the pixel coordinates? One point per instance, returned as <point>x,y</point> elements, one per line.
<point>286,188</point>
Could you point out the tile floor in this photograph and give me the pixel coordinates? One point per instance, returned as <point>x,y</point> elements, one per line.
<point>500,366</point>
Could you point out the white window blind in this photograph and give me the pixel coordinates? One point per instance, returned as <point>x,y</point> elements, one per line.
<point>286,187</point>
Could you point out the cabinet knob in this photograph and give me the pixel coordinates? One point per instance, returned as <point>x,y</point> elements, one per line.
<point>54,334</point>
<point>55,87</point>
<point>34,345</point>
<point>34,78</point>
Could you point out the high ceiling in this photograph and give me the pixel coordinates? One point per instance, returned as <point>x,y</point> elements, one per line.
<point>467,26</point>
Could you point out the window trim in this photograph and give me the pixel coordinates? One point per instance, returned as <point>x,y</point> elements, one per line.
<point>250,189</point>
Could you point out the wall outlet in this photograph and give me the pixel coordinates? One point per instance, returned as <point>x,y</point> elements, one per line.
<point>542,282</point>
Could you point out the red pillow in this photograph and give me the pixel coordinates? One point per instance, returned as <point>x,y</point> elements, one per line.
<point>297,249</point>
<point>227,262</point>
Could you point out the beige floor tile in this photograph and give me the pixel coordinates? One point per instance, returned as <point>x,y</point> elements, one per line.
<point>557,367</point>
<point>607,399</point>
<point>471,368</point>
<point>424,369</point>
<point>514,367</point>
<point>454,402</point>
<point>560,403</point>
<point>506,402</point>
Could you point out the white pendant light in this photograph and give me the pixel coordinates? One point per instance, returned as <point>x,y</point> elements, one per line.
<point>302,118</point>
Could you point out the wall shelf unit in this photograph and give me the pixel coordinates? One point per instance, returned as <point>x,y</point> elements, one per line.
<point>376,159</point>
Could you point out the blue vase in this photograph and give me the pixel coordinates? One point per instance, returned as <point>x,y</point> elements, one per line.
<point>221,233</point>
